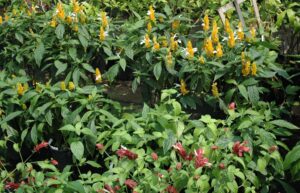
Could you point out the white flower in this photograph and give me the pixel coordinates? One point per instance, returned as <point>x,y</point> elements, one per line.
<point>144,40</point>
<point>186,51</point>
<point>148,12</point>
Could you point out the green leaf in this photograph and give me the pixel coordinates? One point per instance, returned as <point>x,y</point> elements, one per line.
<point>291,16</point>
<point>39,53</point>
<point>88,67</point>
<point>76,76</point>
<point>280,18</point>
<point>261,165</point>
<point>245,124</point>
<point>84,42</point>
<point>11,116</point>
<point>73,53</point>
<point>177,108</point>
<point>113,72</point>
<point>180,128</point>
<point>76,186</point>
<point>288,188</point>
<point>291,157</point>
<point>253,94</point>
<point>68,128</point>
<point>94,164</point>
<point>243,91</point>
<point>283,123</point>
<point>129,53</point>
<point>157,70</point>
<point>59,31</point>
<point>169,142</point>
<point>77,149</point>
<point>24,134</point>
<point>123,63</point>
<point>61,67</point>
<point>19,37</point>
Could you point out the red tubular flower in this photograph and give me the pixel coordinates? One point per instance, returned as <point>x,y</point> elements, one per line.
<point>189,157</point>
<point>231,106</point>
<point>126,153</point>
<point>11,186</point>
<point>54,162</point>
<point>109,188</point>
<point>117,188</point>
<point>154,156</point>
<point>239,148</point>
<point>273,148</point>
<point>180,149</point>
<point>130,183</point>
<point>40,146</point>
<point>99,146</point>
<point>200,161</point>
<point>171,189</point>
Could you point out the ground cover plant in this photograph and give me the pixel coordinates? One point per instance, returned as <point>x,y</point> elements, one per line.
<point>219,101</point>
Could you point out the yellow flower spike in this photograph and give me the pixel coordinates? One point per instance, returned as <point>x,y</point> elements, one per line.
<point>243,57</point>
<point>149,27</point>
<point>71,86</point>
<point>175,24</point>
<point>53,22</point>
<point>98,76</point>
<point>205,23</point>
<point>201,60</point>
<point>219,51</point>
<point>241,34</point>
<point>147,41</point>
<point>214,33</point>
<point>173,44</point>
<point>214,89</point>
<point>156,45</point>
<point>253,33</point>
<point>169,59</point>
<point>183,88</point>
<point>62,85</point>
<point>209,49</point>
<point>227,26</point>
<point>104,20</point>
<point>20,89</point>
<point>164,43</point>
<point>231,40</point>
<point>75,28</point>
<point>1,20</point>
<point>69,19</point>
<point>151,13</point>
<point>60,11</point>
<point>190,50</point>
<point>246,68</point>
<point>102,34</point>
<point>76,7</point>
<point>253,69</point>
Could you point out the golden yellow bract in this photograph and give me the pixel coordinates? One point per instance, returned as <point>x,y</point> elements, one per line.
<point>149,27</point>
<point>214,33</point>
<point>104,20</point>
<point>241,34</point>
<point>231,40</point>
<point>62,86</point>
<point>206,23</point>
<point>219,51</point>
<point>183,88</point>
<point>102,34</point>
<point>175,24</point>
<point>190,50</point>
<point>201,60</point>
<point>214,89</point>
<point>209,49</point>
<point>151,13</point>
<point>253,69</point>
<point>71,86</point>
<point>147,41</point>
<point>98,76</point>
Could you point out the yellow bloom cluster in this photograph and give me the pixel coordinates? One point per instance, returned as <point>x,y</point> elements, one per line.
<point>21,89</point>
<point>201,60</point>
<point>147,41</point>
<point>190,50</point>
<point>175,24</point>
<point>169,59</point>
<point>183,88</point>
<point>60,11</point>
<point>253,69</point>
<point>71,86</point>
<point>206,23</point>
<point>173,44</point>
<point>149,27</point>
<point>1,20</point>
<point>214,89</point>
<point>98,76</point>
<point>227,26</point>
<point>62,86</point>
<point>208,47</point>
<point>231,40</point>
<point>214,33</point>
<point>219,50</point>
<point>151,13</point>
<point>156,45</point>
<point>76,7</point>
<point>240,33</point>
<point>247,67</point>
<point>102,34</point>
<point>104,20</point>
